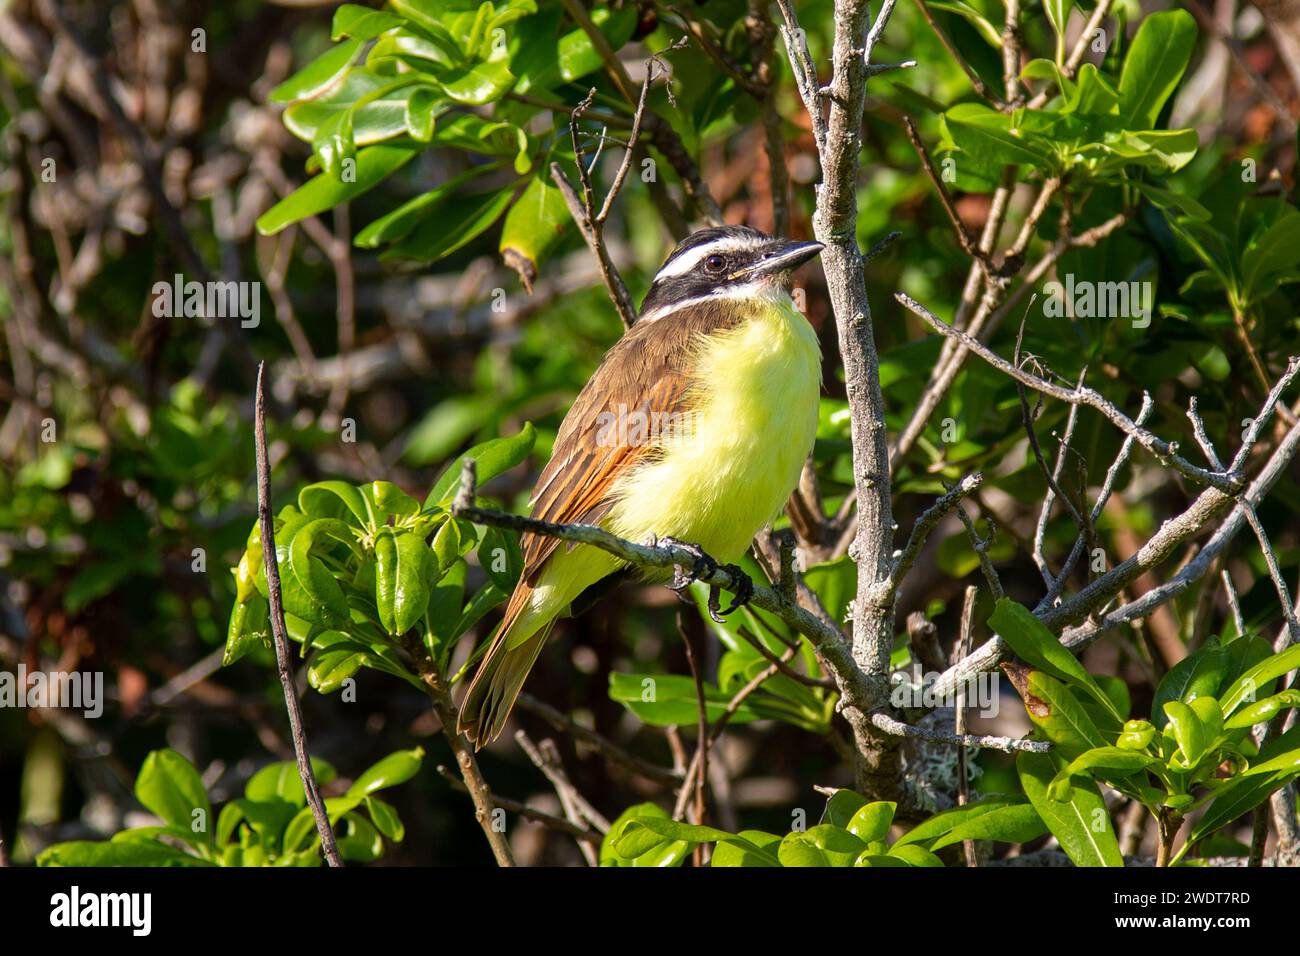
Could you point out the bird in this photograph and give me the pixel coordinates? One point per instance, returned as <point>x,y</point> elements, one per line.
<point>694,429</point>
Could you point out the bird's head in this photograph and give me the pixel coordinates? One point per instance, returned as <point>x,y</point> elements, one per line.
<point>724,261</point>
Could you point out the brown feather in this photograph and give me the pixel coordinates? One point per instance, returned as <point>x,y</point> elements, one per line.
<point>648,370</point>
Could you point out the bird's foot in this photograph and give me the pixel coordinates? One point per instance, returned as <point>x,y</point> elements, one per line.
<point>743,586</point>
<point>703,566</point>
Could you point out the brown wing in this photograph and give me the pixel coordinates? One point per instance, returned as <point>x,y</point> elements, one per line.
<point>644,373</point>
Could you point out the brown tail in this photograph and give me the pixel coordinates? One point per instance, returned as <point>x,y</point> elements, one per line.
<point>500,677</point>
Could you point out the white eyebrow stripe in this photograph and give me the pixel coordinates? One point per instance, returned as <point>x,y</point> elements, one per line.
<point>689,259</point>
<point>743,290</point>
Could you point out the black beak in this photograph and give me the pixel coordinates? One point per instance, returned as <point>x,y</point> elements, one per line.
<point>782,255</point>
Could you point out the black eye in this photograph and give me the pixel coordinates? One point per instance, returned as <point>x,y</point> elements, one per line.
<point>715,264</point>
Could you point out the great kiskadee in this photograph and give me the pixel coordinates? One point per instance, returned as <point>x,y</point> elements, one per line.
<point>695,427</point>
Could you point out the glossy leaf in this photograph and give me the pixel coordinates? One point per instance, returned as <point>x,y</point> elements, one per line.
<point>1036,645</point>
<point>397,768</point>
<point>171,788</point>
<point>322,192</point>
<point>491,458</point>
<point>1154,65</point>
<point>318,75</point>
<point>1081,824</point>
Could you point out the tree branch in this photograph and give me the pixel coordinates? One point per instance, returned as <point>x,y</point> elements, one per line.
<point>279,632</point>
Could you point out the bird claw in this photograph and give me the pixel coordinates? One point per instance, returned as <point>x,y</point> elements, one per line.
<point>744,590</point>
<point>704,567</point>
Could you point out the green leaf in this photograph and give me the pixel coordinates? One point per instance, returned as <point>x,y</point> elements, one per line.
<point>991,34</point>
<point>311,592</point>
<point>575,53</point>
<point>396,224</point>
<point>386,578</point>
<point>1171,201</point>
<point>422,108</point>
<point>1036,645</point>
<point>491,458</point>
<point>318,75</point>
<point>84,853</point>
<point>385,819</point>
<point>481,82</point>
<point>989,136</point>
<point>361,23</point>
<point>473,134</point>
<point>390,499</point>
<point>835,582</point>
<point>1273,254</point>
<point>664,700</point>
<point>822,845</point>
<point>871,822</point>
<point>1081,825</point>
<point>1001,823</point>
<point>1105,763</point>
<point>280,781</point>
<point>416,570</point>
<point>1243,793</point>
<point>1092,95</point>
<point>250,627</point>
<point>1060,715</point>
<point>427,15</point>
<point>324,498</point>
<point>461,220</point>
<point>358,840</point>
<point>941,823</point>
<point>533,226</point>
<point>1255,680</point>
<point>373,165</point>
<point>1263,710</point>
<point>1239,796</point>
<point>660,854</point>
<point>171,788</point>
<point>758,849</point>
<point>337,661</point>
<point>500,557</point>
<point>1154,65</point>
<point>914,855</point>
<point>841,807</point>
<point>1058,14</point>
<point>1188,731</point>
<point>398,767</point>
<point>1197,675</point>
<point>444,606</point>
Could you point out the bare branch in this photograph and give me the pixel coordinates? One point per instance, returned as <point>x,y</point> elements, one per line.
<point>1166,452</point>
<point>897,728</point>
<point>927,522</point>
<point>280,633</point>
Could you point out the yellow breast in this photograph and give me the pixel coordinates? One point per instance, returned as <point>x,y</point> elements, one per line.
<point>730,464</point>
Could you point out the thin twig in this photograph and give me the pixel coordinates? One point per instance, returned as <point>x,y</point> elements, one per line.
<point>603,745</point>
<point>1229,482</point>
<point>525,811</point>
<point>980,86</point>
<point>927,522</point>
<point>475,784</point>
<point>280,634</point>
<point>959,717</point>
